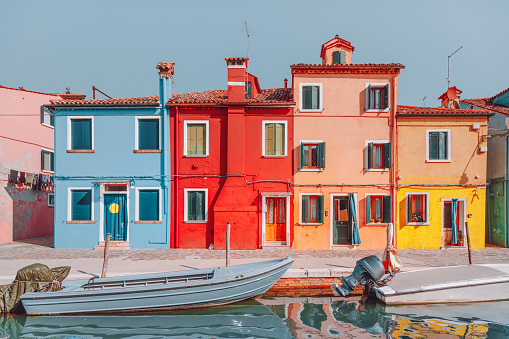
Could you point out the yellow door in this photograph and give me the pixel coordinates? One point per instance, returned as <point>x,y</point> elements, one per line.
<point>275,219</point>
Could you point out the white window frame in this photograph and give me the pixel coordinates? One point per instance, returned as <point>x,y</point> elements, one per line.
<point>207,136</point>
<point>186,217</point>
<point>366,156</point>
<point>377,85</point>
<point>366,222</point>
<point>51,199</point>
<point>69,202</point>
<point>300,160</point>
<point>264,122</point>
<point>318,84</point>
<point>48,115</point>
<point>69,138</point>
<point>136,128</point>
<point>42,160</point>
<point>160,202</point>
<point>300,209</point>
<point>425,223</point>
<point>428,131</point>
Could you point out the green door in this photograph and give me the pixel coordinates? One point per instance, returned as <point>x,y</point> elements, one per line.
<point>115,216</point>
<point>341,228</point>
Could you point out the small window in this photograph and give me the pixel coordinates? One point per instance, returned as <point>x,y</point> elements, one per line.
<point>378,209</point>
<point>417,208</point>
<point>338,57</point>
<point>148,204</point>
<point>438,143</point>
<point>312,209</point>
<point>51,199</point>
<point>115,187</point>
<point>311,97</point>
<point>195,205</point>
<point>148,134</point>
<point>81,204</point>
<point>378,155</point>
<point>81,134</point>
<point>377,96</point>
<point>47,161</point>
<point>274,134</point>
<point>47,116</point>
<point>196,138</point>
<point>248,90</point>
<point>312,155</point>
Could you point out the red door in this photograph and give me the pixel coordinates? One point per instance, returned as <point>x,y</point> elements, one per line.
<point>275,219</point>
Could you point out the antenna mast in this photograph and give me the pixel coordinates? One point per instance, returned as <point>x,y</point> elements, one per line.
<point>247,33</point>
<point>449,58</point>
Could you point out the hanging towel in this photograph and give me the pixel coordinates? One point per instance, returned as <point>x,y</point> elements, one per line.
<point>41,183</point>
<point>22,177</point>
<point>51,181</point>
<point>30,179</point>
<point>13,176</point>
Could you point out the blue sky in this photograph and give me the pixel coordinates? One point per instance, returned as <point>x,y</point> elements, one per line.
<point>115,45</point>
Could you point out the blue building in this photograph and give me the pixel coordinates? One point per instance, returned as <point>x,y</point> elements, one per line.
<point>112,170</point>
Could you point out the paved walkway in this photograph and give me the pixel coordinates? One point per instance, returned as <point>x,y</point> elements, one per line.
<point>86,263</point>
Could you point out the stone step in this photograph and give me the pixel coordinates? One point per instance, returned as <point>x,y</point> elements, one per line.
<point>114,245</point>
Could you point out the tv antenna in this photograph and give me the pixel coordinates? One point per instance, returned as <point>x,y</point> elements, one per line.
<point>448,59</point>
<point>424,101</point>
<point>247,33</point>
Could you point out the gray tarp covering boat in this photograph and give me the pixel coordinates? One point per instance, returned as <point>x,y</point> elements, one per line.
<point>160,291</point>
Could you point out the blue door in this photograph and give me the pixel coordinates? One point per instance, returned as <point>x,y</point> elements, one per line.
<point>115,216</point>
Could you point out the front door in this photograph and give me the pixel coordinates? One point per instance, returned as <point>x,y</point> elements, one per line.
<point>447,222</point>
<point>115,216</point>
<point>341,228</point>
<point>275,219</point>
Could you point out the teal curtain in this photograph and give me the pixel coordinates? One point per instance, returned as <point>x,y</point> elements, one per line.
<point>115,216</point>
<point>356,239</point>
<point>454,204</point>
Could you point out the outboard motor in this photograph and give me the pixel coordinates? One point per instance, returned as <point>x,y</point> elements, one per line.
<point>366,269</point>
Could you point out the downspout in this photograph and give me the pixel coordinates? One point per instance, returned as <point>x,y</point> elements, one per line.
<point>176,147</point>
<point>488,198</point>
<point>394,163</point>
<point>505,192</point>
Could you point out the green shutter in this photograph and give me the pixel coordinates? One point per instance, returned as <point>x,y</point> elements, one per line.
<point>321,155</point>
<point>42,160</point>
<point>52,118</point>
<point>248,89</point>
<point>301,155</point>
<point>387,155</point>
<point>387,204</point>
<point>316,97</point>
<point>42,114</point>
<point>409,208</point>
<point>335,57</point>
<point>200,205</point>
<point>305,209</point>
<point>52,161</point>
<point>386,96</point>
<point>433,143</point>
<point>368,97</point>
<point>442,145</point>
<point>368,209</point>
<point>306,97</point>
<point>342,57</point>
<point>370,155</point>
<point>320,208</point>
<point>191,214</point>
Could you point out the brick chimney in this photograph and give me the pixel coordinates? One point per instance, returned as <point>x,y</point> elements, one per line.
<point>337,51</point>
<point>236,79</point>
<point>448,98</point>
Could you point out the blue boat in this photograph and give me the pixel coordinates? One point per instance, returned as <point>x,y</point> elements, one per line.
<point>159,291</point>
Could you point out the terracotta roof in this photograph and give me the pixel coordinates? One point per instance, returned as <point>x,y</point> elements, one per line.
<point>220,96</point>
<point>438,111</point>
<point>485,103</point>
<point>496,95</point>
<point>347,68</point>
<point>138,101</point>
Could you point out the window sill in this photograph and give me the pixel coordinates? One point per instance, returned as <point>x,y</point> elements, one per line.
<point>275,156</point>
<point>309,224</point>
<point>47,125</point>
<point>417,224</point>
<point>303,110</point>
<point>80,151</point>
<point>311,169</point>
<point>147,151</point>
<point>376,110</point>
<point>195,221</point>
<point>376,224</point>
<point>80,222</point>
<point>196,156</point>
<point>445,160</point>
<point>377,169</point>
<point>148,222</point>
<point>45,171</point>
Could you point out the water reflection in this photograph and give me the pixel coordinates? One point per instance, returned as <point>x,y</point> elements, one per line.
<point>278,318</point>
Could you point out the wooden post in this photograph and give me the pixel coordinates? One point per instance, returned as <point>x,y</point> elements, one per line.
<point>468,243</point>
<point>106,253</point>
<point>228,226</point>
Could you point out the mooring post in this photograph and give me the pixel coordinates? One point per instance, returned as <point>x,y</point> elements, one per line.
<point>468,243</point>
<point>228,226</point>
<point>106,253</point>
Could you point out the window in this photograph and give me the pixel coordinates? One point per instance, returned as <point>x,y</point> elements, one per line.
<point>81,136</point>
<point>438,145</point>
<point>311,97</point>
<point>312,155</point>
<point>378,155</point>
<point>338,57</point>
<point>417,208</point>
<point>47,116</point>
<point>149,204</point>
<point>47,161</point>
<point>80,204</point>
<point>377,96</point>
<point>196,142</point>
<point>311,209</point>
<point>195,205</point>
<point>148,134</point>
<point>248,90</point>
<point>274,136</point>
<point>378,209</point>
<point>51,199</point>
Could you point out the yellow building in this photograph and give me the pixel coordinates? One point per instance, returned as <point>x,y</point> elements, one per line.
<point>441,177</point>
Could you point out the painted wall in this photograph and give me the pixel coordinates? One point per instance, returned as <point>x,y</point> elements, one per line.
<point>24,212</point>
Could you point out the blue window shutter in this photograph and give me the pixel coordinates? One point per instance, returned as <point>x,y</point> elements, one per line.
<point>305,208</point>
<point>387,155</point>
<point>368,209</point>
<point>342,57</point>
<point>42,114</point>
<point>320,208</point>
<point>335,57</point>
<point>386,96</point>
<point>76,131</point>
<point>52,118</point>
<point>321,155</point>
<point>86,133</point>
<point>149,205</point>
<point>81,205</point>
<point>387,204</point>
<point>370,155</point>
<point>148,134</point>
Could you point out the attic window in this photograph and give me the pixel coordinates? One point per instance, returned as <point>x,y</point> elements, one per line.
<point>338,57</point>
<point>236,63</point>
<point>248,90</point>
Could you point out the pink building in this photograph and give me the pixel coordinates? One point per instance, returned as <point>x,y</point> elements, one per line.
<point>26,165</point>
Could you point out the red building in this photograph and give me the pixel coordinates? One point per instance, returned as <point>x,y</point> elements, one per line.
<point>232,159</point>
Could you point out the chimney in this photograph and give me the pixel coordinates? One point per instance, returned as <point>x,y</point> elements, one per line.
<point>236,79</point>
<point>448,98</point>
<point>166,71</point>
<point>286,83</point>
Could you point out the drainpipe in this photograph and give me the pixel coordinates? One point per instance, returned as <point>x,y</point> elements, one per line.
<point>488,198</point>
<point>176,147</point>
<point>505,192</point>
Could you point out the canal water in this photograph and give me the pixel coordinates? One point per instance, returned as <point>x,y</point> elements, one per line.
<point>278,318</point>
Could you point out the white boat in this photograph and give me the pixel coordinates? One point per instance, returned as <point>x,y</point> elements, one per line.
<point>160,291</point>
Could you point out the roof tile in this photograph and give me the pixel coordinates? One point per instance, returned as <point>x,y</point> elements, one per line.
<point>220,96</point>
<point>137,101</point>
<point>485,103</point>
<point>404,110</point>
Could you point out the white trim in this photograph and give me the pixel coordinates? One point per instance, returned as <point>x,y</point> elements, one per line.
<point>44,110</point>
<point>428,131</point>
<point>196,122</point>
<point>186,190</point>
<point>287,214</point>
<point>300,209</point>
<point>69,201</point>
<point>236,83</point>
<point>136,129</point>
<point>425,223</point>
<point>366,142</point>
<point>264,122</point>
<point>237,66</point>
<point>50,204</point>
<point>42,160</point>
<point>137,202</point>
<point>462,217</point>
<point>69,130</point>
<point>320,85</point>
<point>331,217</point>
<point>101,207</point>
<point>377,85</point>
<point>366,208</point>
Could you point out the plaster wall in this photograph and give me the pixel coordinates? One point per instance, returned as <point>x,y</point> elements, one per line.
<point>497,156</point>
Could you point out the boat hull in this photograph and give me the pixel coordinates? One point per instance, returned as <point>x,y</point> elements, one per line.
<point>181,290</point>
